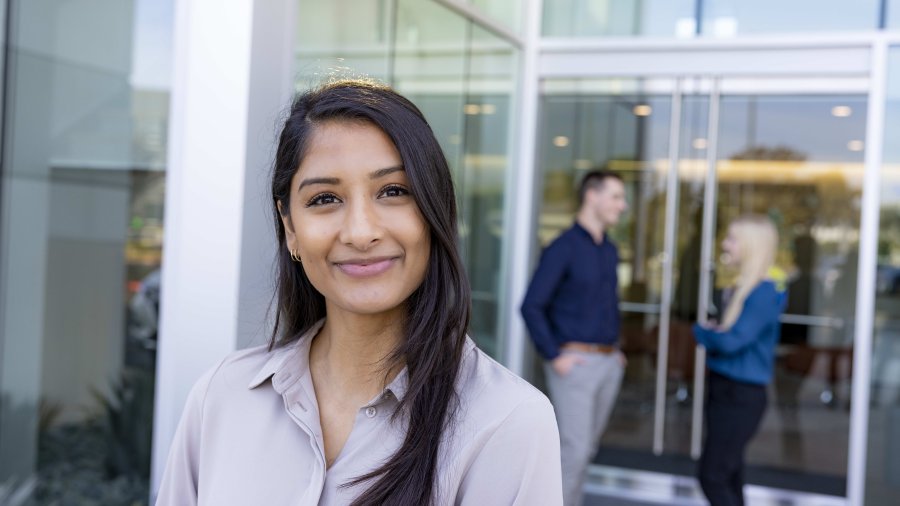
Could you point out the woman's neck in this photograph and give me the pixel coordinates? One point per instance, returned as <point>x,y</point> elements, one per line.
<point>351,352</point>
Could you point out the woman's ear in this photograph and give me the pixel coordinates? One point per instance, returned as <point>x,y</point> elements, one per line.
<point>289,234</point>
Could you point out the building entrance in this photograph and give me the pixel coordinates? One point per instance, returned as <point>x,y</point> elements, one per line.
<point>695,153</point>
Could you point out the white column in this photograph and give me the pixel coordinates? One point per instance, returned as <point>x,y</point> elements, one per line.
<point>231,81</point>
<point>522,192</point>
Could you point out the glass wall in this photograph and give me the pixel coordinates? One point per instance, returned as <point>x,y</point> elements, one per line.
<point>505,12</point>
<point>84,146</point>
<point>350,37</point>
<point>713,18</point>
<point>728,18</point>
<point>892,14</point>
<point>462,77</point>
<point>586,18</point>
<point>883,463</point>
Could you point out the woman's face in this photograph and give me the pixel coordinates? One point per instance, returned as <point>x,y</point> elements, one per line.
<point>360,236</point>
<point>731,251</point>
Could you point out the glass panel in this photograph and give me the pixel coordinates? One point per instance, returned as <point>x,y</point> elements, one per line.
<point>481,183</point>
<point>622,125</point>
<point>506,12</point>
<point>799,160</point>
<point>586,18</point>
<point>80,240</point>
<point>344,38</point>
<point>430,69</point>
<point>727,18</point>
<point>892,14</point>
<point>883,466</point>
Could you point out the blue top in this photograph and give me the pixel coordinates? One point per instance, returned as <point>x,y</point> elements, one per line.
<point>746,351</point>
<point>574,293</point>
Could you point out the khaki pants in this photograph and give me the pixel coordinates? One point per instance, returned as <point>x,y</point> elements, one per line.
<point>583,400</point>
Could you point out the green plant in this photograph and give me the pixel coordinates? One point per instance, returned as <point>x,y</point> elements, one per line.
<point>48,414</point>
<point>127,423</point>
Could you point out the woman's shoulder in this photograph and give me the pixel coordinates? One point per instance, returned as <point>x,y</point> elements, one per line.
<point>238,371</point>
<point>767,288</point>
<point>491,392</point>
<point>767,294</point>
<point>501,417</point>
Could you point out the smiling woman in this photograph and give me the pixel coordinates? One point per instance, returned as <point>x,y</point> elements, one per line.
<point>370,392</point>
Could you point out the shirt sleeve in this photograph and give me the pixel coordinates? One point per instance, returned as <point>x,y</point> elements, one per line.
<point>550,271</point>
<point>759,311</point>
<point>520,463</point>
<point>181,476</point>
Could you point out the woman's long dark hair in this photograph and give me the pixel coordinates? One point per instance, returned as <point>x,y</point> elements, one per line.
<point>437,316</point>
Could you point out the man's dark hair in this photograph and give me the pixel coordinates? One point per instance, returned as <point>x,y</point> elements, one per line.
<point>437,313</point>
<point>594,180</point>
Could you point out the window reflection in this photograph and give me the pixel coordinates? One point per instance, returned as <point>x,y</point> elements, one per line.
<point>82,193</point>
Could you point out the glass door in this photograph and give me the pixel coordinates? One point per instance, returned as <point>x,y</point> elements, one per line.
<point>695,153</point>
<point>622,125</point>
<point>796,155</point>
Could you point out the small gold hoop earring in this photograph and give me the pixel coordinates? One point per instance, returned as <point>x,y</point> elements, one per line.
<point>295,256</point>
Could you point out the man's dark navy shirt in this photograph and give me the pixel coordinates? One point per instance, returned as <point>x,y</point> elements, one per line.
<point>574,293</point>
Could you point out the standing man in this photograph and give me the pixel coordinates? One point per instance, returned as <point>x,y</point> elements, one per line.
<point>572,313</point>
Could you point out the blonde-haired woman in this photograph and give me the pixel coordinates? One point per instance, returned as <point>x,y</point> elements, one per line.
<point>740,357</point>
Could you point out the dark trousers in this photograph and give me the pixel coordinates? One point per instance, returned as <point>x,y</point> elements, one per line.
<point>733,413</point>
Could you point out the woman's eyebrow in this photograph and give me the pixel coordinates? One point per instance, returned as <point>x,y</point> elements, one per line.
<point>384,172</point>
<point>318,180</point>
<point>334,181</point>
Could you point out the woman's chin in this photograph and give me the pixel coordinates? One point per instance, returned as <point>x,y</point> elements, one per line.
<point>370,307</point>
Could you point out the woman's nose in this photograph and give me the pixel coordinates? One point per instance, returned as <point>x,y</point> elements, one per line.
<point>361,228</point>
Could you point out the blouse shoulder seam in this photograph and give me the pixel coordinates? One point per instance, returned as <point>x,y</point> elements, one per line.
<point>212,374</point>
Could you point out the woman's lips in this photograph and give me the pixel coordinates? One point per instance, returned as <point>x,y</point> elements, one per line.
<point>365,268</point>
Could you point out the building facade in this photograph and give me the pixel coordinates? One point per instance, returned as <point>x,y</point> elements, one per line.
<point>129,125</point>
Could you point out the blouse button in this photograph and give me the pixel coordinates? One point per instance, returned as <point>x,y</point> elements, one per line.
<point>371,411</point>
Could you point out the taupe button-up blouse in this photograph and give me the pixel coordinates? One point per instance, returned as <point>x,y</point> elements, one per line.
<point>250,435</point>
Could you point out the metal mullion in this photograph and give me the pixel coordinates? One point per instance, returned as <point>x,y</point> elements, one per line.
<point>865,281</point>
<point>706,263</point>
<point>667,44</point>
<point>521,199</point>
<point>668,257</point>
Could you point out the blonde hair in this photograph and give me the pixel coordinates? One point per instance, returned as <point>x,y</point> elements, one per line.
<point>757,241</point>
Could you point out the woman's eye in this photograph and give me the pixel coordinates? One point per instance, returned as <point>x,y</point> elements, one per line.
<point>394,191</point>
<point>322,199</point>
